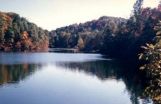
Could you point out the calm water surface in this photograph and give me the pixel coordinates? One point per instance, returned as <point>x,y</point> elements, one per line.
<point>57,78</point>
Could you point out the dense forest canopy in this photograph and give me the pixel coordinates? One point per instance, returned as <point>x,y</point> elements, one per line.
<point>113,36</point>
<point>85,36</point>
<point>17,34</point>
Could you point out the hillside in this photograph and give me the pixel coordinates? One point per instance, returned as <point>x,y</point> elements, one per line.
<point>18,34</point>
<point>87,36</point>
<point>113,36</point>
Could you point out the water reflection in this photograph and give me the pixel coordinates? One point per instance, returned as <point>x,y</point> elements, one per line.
<point>104,70</point>
<point>16,73</point>
<point>134,80</point>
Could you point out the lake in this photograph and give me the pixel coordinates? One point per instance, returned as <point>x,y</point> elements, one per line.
<point>62,78</point>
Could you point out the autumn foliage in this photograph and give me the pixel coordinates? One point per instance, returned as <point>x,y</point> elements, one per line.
<point>17,34</point>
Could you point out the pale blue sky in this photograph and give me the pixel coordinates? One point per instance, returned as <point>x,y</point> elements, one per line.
<point>51,14</point>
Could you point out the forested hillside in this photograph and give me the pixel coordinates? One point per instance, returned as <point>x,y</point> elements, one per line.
<point>138,30</point>
<point>86,37</point>
<point>17,34</point>
<point>116,37</point>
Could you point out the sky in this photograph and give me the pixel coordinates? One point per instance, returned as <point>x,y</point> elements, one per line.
<point>52,14</point>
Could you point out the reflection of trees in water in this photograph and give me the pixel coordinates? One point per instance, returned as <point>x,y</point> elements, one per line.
<point>134,80</point>
<point>15,73</point>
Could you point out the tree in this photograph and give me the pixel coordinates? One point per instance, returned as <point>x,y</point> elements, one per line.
<point>18,34</point>
<point>137,7</point>
<point>80,43</point>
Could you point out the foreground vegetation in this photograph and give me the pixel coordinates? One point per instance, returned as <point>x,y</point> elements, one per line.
<point>152,66</point>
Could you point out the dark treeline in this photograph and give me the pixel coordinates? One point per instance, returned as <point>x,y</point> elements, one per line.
<point>86,37</point>
<point>17,34</point>
<point>115,37</point>
<point>138,30</point>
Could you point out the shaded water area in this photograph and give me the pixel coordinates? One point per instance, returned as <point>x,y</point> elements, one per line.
<point>61,78</point>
